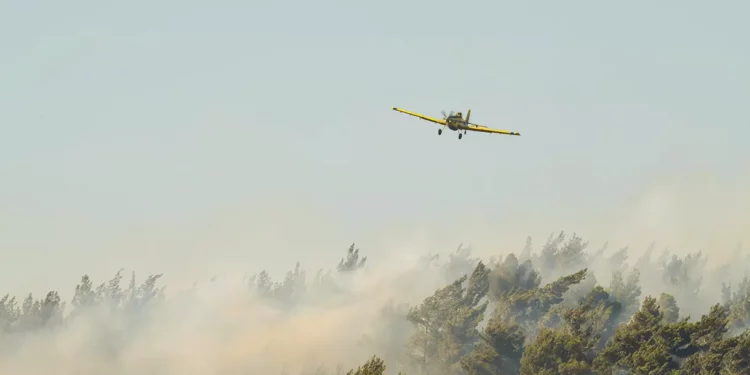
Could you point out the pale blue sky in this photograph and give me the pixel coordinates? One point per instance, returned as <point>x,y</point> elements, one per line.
<point>183,137</point>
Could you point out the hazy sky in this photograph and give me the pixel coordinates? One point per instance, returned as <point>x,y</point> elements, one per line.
<point>186,138</point>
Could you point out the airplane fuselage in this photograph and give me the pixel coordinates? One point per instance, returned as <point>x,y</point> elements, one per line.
<point>455,123</point>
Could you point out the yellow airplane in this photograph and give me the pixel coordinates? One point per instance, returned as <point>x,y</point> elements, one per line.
<point>457,123</point>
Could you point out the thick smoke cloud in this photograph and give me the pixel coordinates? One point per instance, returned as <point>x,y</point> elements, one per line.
<point>302,323</point>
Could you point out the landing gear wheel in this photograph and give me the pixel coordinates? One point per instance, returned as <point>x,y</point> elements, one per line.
<point>440,131</point>
<point>460,135</point>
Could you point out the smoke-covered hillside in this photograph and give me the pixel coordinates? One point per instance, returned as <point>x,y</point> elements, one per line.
<point>561,306</point>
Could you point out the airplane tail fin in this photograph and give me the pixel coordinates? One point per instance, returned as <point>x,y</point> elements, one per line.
<point>468,114</point>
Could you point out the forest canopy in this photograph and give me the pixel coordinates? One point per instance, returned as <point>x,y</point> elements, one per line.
<point>561,309</point>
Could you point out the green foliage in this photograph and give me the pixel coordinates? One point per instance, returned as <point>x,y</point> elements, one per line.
<point>510,277</point>
<point>594,319</point>
<point>636,346</point>
<point>530,306</point>
<point>739,304</point>
<point>668,306</point>
<point>533,314</point>
<point>555,352</point>
<point>374,366</point>
<point>446,323</point>
<point>626,291</point>
<point>736,359</point>
<point>652,344</point>
<point>499,351</point>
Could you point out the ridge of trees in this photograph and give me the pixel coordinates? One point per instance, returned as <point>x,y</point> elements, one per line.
<point>542,313</point>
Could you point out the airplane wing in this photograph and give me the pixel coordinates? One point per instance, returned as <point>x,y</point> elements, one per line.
<point>423,117</point>
<point>484,129</point>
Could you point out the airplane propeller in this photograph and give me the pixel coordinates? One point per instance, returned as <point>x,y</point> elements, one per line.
<point>446,116</point>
